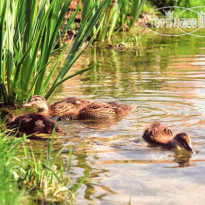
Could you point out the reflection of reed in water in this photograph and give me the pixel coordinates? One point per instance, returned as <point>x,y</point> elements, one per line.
<point>93,181</point>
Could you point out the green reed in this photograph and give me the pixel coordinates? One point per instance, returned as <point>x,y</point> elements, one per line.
<point>119,15</point>
<point>28,176</point>
<point>9,192</point>
<point>45,179</point>
<point>29,33</point>
<point>181,3</point>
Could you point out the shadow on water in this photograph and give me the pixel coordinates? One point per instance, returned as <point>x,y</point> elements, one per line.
<point>164,78</point>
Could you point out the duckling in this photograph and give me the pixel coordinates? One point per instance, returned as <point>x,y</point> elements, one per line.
<point>98,111</point>
<point>121,109</point>
<point>30,124</point>
<point>158,134</point>
<point>59,108</point>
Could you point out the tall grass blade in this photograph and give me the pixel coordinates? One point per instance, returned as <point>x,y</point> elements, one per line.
<point>81,37</point>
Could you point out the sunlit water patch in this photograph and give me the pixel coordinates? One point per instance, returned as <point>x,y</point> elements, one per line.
<point>165,81</point>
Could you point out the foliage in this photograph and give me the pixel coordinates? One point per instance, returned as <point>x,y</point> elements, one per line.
<point>29,32</point>
<point>148,7</point>
<point>182,3</point>
<point>44,179</point>
<point>37,175</point>
<point>119,15</point>
<point>193,13</point>
<point>163,3</point>
<point>8,182</point>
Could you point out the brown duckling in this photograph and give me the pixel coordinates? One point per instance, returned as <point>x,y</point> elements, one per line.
<point>59,108</point>
<point>121,109</point>
<point>158,134</point>
<point>31,123</point>
<point>98,111</point>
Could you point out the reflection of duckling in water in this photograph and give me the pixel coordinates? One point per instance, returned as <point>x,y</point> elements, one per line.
<point>158,134</point>
<point>182,157</point>
<point>99,111</point>
<point>58,108</point>
<point>31,123</point>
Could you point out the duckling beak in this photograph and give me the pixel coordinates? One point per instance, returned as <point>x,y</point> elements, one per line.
<point>188,147</point>
<point>26,105</point>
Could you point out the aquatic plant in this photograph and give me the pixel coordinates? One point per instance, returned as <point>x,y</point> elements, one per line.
<point>29,176</point>
<point>45,178</point>
<point>182,3</point>
<point>29,33</point>
<point>119,15</point>
<point>9,192</point>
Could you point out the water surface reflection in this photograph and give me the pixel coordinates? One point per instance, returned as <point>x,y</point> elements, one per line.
<point>165,80</point>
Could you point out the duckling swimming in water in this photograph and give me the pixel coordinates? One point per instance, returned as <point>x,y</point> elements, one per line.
<point>78,109</point>
<point>121,110</point>
<point>58,108</point>
<point>30,124</point>
<point>98,111</point>
<point>158,134</point>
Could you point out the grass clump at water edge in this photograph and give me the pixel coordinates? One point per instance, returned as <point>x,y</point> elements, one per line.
<point>27,176</point>
<point>9,191</point>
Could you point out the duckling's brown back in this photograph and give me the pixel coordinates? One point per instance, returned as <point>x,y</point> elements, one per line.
<point>97,110</point>
<point>158,134</point>
<point>120,109</point>
<point>33,123</point>
<point>68,105</point>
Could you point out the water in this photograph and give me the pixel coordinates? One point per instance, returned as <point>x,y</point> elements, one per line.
<point>164,78</point>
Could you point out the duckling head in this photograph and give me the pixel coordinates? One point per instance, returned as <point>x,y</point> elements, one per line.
<point>38,102</point>
<point>183,140</point>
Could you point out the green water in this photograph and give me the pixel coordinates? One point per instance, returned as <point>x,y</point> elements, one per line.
<point>164,78</point>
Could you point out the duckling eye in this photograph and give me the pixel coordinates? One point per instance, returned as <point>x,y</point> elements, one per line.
<point>168,131</point>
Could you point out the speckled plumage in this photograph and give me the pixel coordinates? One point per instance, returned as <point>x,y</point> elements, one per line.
<point>31,123</point>
<point>158,134</point>
<point>120,109</point>
<point>78,109</point>
<point>98,111</point>
<point>58,108</point>
<point>68,105</point>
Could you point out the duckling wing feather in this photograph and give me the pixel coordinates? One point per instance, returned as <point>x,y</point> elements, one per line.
<point>97,110</point>
<point>120,109</point>
<point>67,105</point>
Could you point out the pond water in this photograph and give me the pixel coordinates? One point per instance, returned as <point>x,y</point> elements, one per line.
<point>164,78</point>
